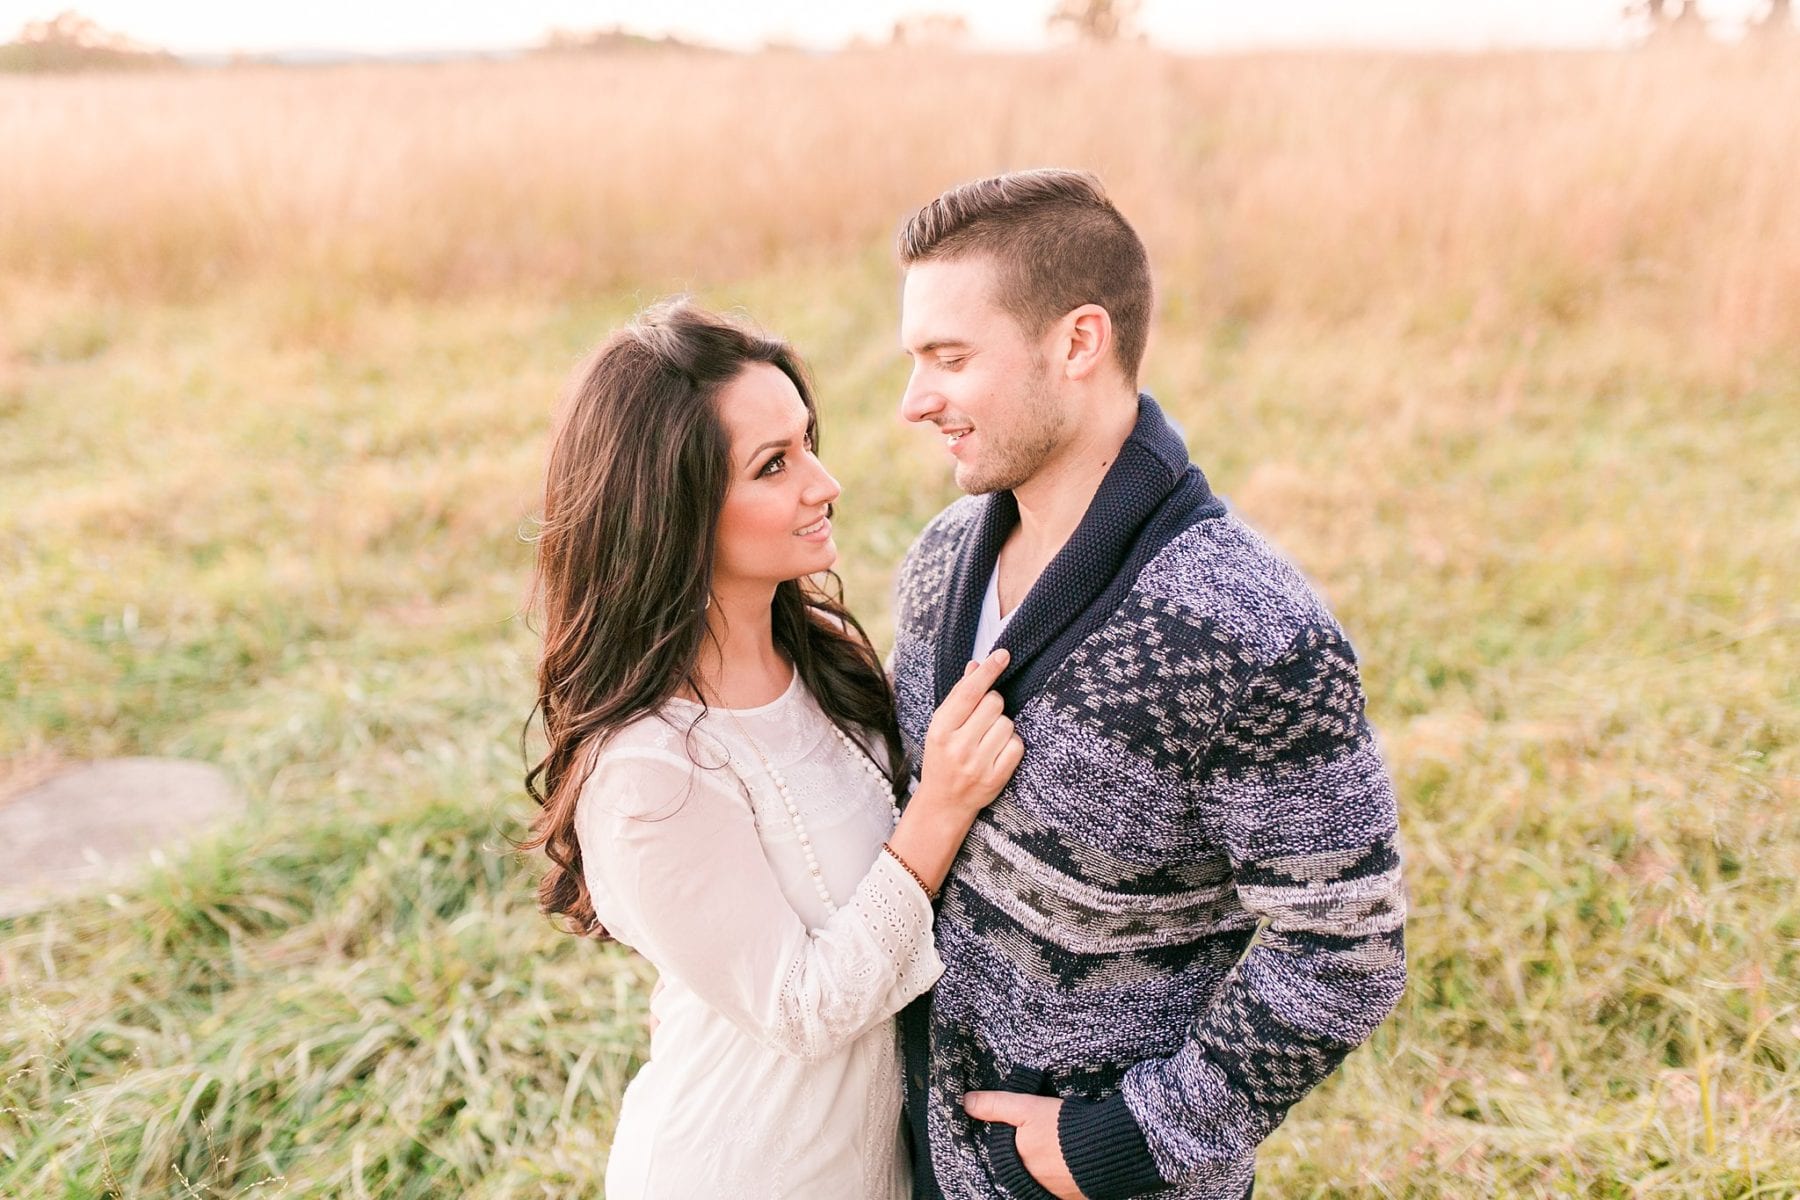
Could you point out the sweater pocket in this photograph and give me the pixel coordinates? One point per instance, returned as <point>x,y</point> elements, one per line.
<point>1000,1143</point>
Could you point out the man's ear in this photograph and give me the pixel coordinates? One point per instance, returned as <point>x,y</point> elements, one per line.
<point>1087,341</point>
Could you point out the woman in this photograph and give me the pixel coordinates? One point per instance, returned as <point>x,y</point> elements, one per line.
<point>721,782</point>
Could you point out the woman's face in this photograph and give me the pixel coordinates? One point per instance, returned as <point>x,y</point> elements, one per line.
<point>773,526</point>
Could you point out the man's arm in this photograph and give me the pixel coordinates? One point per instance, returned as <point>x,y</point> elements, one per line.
<point>1294,791</point>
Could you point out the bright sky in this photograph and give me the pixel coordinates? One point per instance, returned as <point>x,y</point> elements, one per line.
<point>386,26</point>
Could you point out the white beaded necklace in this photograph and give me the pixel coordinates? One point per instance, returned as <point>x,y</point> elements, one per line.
<point>793,810</point>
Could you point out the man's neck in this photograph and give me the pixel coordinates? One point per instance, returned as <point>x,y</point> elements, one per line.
<point>1053,501</point>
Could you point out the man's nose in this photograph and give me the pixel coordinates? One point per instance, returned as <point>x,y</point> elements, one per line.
<point>919,401</point>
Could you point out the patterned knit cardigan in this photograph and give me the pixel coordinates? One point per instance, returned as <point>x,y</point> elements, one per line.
<point>1186,907</point>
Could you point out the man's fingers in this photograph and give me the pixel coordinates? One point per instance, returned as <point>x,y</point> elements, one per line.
<point>995,1106</point>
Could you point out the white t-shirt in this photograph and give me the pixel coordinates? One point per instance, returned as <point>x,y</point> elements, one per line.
<point>989,628</point>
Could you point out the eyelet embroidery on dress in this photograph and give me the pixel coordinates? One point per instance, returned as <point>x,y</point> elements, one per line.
<point>828,1002</point>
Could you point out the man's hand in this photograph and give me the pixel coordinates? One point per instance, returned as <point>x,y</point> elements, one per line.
<point>1035,1119</point>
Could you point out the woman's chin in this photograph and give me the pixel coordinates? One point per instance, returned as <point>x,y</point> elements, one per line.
<point>822,559</point>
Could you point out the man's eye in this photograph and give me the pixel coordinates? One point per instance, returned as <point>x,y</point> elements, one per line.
<point>774,466</point>
<point>953,363</point>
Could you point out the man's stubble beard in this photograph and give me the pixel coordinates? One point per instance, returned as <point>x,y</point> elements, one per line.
<point>1007,466</point>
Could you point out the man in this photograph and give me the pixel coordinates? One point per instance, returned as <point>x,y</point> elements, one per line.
<point>1186,907</point>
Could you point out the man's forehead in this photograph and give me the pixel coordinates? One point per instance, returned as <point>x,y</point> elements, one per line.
<point>945,299</point>
<point>968,277</point>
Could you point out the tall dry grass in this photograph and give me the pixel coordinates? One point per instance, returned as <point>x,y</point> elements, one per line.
<point>1501,349</point>
<point>1659,188</point>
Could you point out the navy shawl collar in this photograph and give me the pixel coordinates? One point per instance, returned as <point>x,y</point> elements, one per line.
<point>1150,494</point>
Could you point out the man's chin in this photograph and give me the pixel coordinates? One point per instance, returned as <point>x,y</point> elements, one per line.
<point>972,481</point>
<point>975,482</point>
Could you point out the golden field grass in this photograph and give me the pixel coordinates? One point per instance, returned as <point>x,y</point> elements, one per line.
<point>1504,350</point>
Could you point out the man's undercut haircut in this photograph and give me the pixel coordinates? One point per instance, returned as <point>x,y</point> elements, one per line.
<point>1058,243</point>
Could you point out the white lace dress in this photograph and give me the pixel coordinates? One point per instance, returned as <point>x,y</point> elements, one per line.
<point>774,1070</point>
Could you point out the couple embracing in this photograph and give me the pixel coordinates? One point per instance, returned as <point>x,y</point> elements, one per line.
<point>1080,898</point>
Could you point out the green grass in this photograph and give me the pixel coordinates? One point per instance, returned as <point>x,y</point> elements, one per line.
<point>280,530</point>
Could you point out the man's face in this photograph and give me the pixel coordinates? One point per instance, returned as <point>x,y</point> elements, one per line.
<point>978,375</point>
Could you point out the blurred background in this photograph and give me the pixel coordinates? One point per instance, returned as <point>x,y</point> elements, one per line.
<point>1487,313</point>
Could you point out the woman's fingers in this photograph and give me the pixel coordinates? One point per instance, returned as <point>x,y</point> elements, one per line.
<point>988,709</point>
<point>968,740</point>
<point>1011,755</point>
<point>971,688</point>
<point>987,751</point>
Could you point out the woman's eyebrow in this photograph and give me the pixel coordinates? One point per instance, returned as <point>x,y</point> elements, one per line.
<point>772,445</point>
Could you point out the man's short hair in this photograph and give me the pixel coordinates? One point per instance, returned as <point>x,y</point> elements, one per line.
<point>1058,243</point>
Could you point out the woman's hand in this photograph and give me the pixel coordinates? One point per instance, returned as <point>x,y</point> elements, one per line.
<point>970,753</point>
<point>970,747</point>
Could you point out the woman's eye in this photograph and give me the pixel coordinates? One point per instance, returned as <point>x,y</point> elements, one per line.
<point>774,466</point>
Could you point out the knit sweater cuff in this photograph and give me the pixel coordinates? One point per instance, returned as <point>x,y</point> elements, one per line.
<point>1104,1147</point>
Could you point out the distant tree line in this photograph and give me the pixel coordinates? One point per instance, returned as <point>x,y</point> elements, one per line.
<point>604,41</point>
<point>1662,19</point>
<point>1096,20</point>
<point>71,42</point>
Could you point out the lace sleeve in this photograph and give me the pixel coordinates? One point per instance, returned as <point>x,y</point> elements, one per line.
<point>673,853</point>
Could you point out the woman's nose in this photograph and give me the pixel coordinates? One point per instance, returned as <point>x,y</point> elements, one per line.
<point>822,488</point>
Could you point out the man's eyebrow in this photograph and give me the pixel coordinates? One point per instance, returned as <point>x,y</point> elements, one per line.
<point>939,344</point>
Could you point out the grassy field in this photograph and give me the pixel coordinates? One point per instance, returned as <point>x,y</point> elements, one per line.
<point>1505,351</point>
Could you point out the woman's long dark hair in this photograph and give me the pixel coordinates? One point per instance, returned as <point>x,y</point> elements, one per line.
<point>638,472</point>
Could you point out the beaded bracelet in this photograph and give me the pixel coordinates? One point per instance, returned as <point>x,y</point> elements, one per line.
<point>907,867</point>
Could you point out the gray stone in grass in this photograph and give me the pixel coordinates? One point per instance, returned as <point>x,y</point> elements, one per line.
<point>92,828</point>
